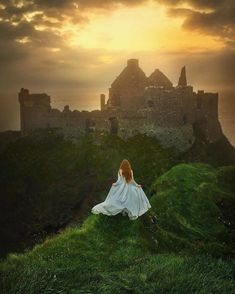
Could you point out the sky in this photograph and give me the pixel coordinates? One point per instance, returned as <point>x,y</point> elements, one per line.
<point>73,49</point>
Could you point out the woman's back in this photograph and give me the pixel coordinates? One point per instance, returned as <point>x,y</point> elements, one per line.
<point>129,181</point>
<point>124,195</point>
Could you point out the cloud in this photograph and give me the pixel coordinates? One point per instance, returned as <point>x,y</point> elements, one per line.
<point>215,18</point>
<point>194,3</point>
<point>35,50</point>
<point>28,26</point>
<point>40,23</point>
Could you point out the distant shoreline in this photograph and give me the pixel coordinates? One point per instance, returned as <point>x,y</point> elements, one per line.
<point>227,117</point>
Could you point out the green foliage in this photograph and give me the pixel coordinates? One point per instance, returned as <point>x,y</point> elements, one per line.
<point>226,177</point>
<point>46,178</point>
<point>38,185</point>
<point>187,202</point>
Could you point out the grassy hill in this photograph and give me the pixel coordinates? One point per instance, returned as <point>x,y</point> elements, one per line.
<point>47,180</point>
<point>194,208</point>
<point>189,250</point>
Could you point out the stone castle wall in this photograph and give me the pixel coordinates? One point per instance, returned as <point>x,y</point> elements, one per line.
<point>165,112</point>
<point>34,110</point>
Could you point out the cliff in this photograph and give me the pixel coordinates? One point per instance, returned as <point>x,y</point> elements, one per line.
<point>180,254</point>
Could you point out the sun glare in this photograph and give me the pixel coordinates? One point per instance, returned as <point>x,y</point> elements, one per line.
<point>138,29</point>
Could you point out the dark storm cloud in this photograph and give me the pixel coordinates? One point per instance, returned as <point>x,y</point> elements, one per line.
<point>10,12</point>
<point>219,20</point>
<point>14,8</point>
<point>20,22</point>
<point>20,19</point>
<point>86,3</point>
<point>9,31</point>
<point>194,3</point>
<point>10,47</point>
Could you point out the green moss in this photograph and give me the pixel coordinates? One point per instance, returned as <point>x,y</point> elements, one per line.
<point>186,202</point>
<point>226,177</point>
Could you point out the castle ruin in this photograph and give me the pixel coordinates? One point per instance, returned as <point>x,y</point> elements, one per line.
<point>136,104</point>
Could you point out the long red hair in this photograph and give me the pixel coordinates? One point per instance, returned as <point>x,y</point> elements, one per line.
<point>126,170</point>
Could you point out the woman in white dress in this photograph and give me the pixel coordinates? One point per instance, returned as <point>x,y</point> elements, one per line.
<point>125,196</point>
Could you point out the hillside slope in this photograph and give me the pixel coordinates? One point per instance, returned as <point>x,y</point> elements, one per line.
<point>195,205</point>
<point>184,253</point>
<point>48,181</point>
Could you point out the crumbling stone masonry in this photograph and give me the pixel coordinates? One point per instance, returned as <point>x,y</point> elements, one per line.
<point>136,103</point>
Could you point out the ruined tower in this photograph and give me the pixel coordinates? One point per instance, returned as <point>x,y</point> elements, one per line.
<point>34,110</point>
<point>127,89</point>
<point>136,104</point>
<point>102,102</point>
<point>182,79</point>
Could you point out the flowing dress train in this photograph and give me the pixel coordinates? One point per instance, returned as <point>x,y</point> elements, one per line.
<point>124,198</point>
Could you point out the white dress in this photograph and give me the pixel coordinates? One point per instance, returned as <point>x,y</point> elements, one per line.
<point>124,198</point>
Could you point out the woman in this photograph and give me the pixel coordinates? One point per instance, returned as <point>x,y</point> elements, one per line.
<point>125,196</point>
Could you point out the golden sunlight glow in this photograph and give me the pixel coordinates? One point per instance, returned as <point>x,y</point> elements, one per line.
<point>23,40</point>
<point>139,28</point>
<point>19,4</point>
<point>40,28</point>
<point>54,49</point>
<point>30,15</point>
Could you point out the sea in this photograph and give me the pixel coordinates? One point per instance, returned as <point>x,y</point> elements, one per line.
<point>10,120</point>
<point>227,115</point>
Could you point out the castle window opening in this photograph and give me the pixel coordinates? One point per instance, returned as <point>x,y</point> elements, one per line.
<point>185,119</point>
<point>90,125</point>
<point>199,102</point>
<point>150,103</point>
<point>113,125</point>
